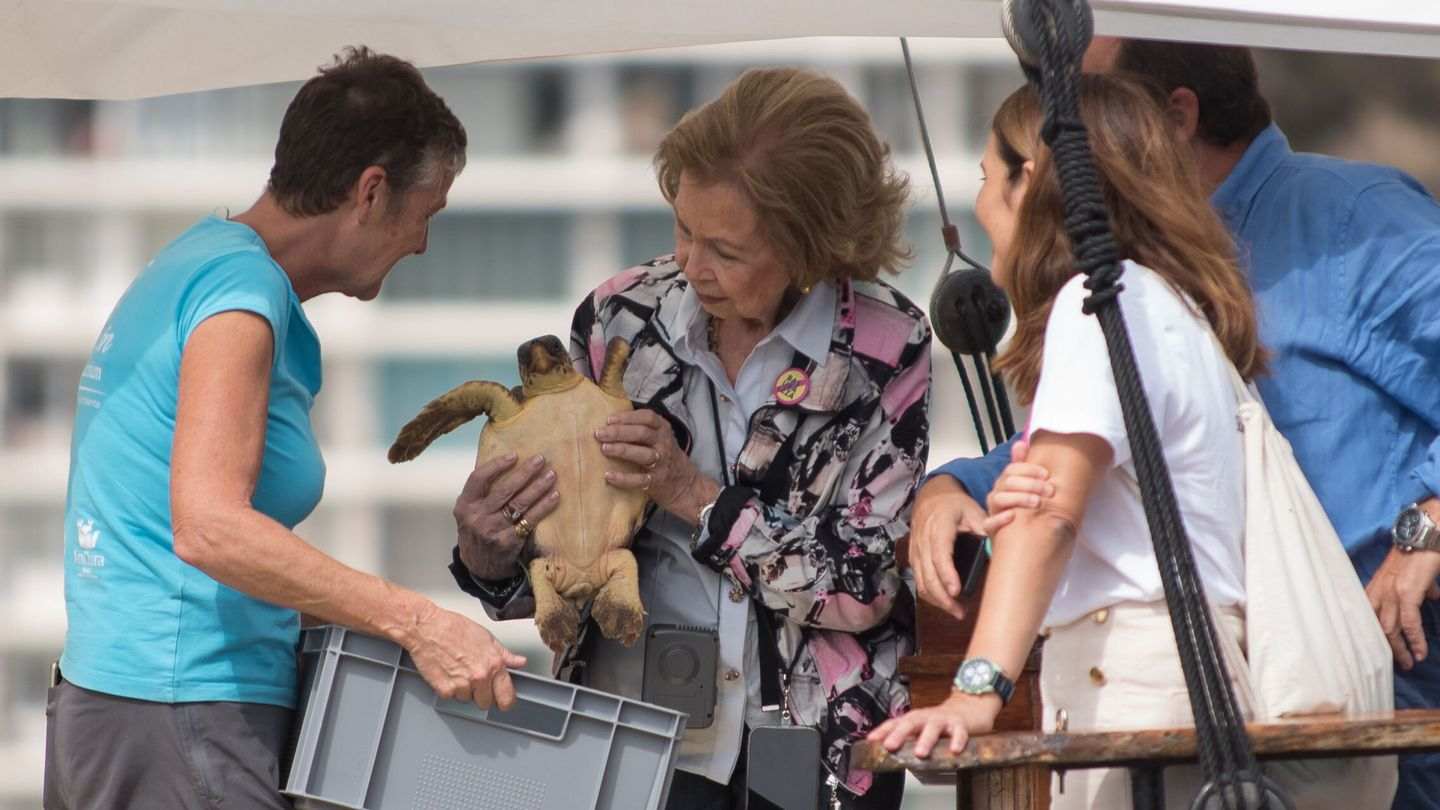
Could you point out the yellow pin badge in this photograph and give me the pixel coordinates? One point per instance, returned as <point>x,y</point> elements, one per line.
<point>792,386</point>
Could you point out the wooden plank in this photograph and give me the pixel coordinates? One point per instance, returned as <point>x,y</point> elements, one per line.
<point>1023,788</point>
<point>1320,736</point>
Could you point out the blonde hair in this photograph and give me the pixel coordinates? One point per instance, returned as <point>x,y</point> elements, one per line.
<point>805,154</point>
<point>1159,214</point>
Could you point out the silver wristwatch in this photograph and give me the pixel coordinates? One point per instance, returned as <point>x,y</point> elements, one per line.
<point>981,676</point>
<point>1415,531</point>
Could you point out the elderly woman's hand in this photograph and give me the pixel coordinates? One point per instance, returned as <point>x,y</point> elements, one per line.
<point>666,473</point>
<point>498,509</point>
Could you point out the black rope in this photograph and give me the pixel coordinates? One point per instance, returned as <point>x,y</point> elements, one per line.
<point>1062,30</point>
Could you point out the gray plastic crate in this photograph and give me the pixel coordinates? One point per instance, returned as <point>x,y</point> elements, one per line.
<point>370,734</point>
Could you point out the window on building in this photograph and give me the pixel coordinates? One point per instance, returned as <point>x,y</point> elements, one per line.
<point>50,250</point>
<point>652,99</point>
<point>39,400</point>
<point>645,235</point>
<point>505,109</point>
<point>487,256</point>
<point>46,127</point>
<point>24,680</point>
<point>157,230</point>
<point>985,86</point>
<point>31,539</point>
<point>417,544</point>
<point>892,107</point>
<point>406,385</point>
<point>228,123</point>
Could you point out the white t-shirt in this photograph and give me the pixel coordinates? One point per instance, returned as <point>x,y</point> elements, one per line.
<point>1186,379</point>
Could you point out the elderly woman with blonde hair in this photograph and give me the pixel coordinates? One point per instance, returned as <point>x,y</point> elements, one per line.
<point>782,420</point>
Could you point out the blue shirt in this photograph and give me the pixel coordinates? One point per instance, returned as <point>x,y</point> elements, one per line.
<point>1344,261</point>
<point>142,623</point>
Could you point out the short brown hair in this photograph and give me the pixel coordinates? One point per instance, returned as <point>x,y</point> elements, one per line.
<point>1159,215</point>
<point>805,154</point>
<point>1222,77</point>
<point>366,109</point>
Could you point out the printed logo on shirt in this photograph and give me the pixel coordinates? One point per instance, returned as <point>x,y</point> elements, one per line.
<point>93,374</point>
<point>88,537</point>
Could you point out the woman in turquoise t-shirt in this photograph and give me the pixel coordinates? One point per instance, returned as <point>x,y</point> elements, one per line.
<point>193,458</point>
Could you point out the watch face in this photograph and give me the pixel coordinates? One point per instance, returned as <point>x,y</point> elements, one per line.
<point>1407,526</point>
<point>977,675</point>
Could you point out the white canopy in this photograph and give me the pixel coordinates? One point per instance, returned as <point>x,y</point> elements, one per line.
<point>132,48</point>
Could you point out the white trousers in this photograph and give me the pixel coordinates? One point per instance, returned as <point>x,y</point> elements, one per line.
<point>1117,668</point>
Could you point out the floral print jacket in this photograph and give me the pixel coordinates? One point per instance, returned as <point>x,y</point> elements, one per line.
<point>823,491</point>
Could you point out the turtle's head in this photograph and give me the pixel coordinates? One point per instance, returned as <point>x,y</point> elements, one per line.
<point>545,366</point>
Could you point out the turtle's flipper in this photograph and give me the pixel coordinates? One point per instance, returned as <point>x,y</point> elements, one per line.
<point>612,376</point>
<point>449,411</point>
<point>618,609</point>
<point>556,618</point>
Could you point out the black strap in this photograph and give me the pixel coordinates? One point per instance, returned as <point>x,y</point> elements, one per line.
<point>774,676</point>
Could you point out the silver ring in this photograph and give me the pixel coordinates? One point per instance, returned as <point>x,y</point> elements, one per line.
<point>649,479</point>
<point>511,514</point>
<point>653,461</point>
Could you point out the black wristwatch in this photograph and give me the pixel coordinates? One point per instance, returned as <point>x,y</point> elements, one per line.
<point>1415,531</point>
<point>981,676</point>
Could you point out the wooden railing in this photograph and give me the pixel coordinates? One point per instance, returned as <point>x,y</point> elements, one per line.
<point>1010,768</point>
<point>986,771</point>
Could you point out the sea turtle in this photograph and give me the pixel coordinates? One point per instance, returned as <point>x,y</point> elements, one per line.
<point>581,549</point>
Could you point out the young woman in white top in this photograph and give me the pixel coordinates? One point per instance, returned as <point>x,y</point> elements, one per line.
<point>1080,568</point>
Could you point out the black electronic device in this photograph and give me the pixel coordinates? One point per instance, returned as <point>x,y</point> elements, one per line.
<point>680,664</point>
<point>971,561</point>
<point>782,769</point>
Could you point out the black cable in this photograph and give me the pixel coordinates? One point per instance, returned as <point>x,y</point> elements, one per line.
<point>987,382</point>
<point>1006,420</point>
<point>970,400</point>
<point>925,136</point>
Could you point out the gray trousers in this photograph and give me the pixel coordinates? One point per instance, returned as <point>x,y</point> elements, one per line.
<point>103,751</point>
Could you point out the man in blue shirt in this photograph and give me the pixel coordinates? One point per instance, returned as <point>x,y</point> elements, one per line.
<point>1344,261</point>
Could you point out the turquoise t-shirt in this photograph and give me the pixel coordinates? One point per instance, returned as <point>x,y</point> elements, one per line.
<point>142,623</point>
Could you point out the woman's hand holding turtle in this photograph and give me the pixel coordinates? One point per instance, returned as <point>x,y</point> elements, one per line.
<point>497,511</point>
<point>660,468</point>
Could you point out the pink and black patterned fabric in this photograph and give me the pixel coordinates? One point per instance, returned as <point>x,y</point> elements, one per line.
<point>823,490</point>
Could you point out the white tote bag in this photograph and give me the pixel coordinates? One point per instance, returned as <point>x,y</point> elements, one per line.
<point>1313,644</point>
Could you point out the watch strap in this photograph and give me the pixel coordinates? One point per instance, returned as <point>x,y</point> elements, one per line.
<point>1004,687</point>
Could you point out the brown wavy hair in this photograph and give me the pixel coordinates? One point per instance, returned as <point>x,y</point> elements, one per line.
<point>1159,214</point>
<point>805,154</point>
